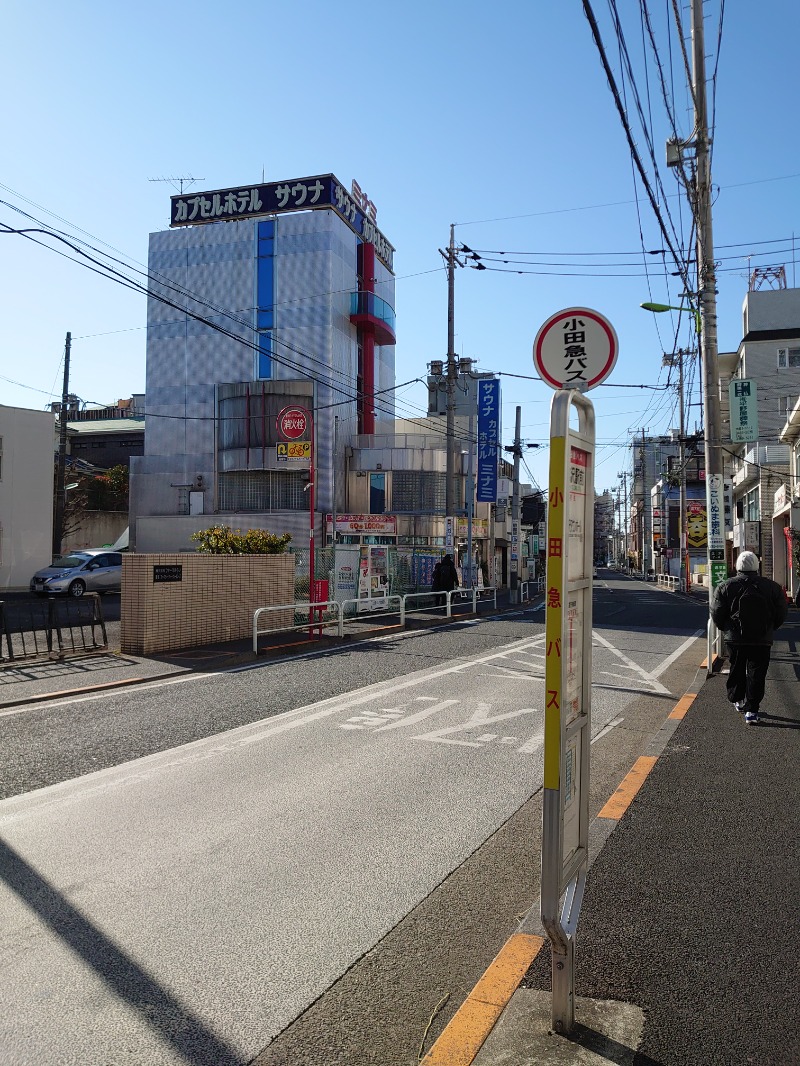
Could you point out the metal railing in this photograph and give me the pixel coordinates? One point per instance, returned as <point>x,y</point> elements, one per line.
<point>316,618</point>
<point>363,616</point>
<point>32,629</point>
<point>713,646</point>
<point>333,614</point>
<point>668,582</point>
<point>529,589</point>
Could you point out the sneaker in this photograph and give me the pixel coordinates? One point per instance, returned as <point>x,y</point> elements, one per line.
<point>751,718</point>
<point>740,705</point>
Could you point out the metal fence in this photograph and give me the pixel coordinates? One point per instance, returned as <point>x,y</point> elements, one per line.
<point>331,615</point>
<point>34,629</point>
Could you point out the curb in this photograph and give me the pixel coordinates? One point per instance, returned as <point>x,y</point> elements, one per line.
<point>467,1031</point>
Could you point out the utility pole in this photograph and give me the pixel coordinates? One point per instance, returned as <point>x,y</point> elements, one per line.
<point>683,546</point>
<point>707,304</point>
<point>58,517</point>
<point>624,516</point>
<point>514,578</point>
<point>451,378</point>
<point>335,460</point>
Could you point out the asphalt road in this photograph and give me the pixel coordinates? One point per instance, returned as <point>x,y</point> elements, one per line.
<point>200,868</point>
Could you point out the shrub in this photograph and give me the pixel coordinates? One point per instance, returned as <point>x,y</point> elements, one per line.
<point>222,540</point>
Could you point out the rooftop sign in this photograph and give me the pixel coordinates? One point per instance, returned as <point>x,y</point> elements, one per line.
<point>296,194</point>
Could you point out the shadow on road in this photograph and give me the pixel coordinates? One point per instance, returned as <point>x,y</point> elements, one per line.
<point>162,1012</point>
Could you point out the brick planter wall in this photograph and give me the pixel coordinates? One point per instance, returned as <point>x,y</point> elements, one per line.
<point>213,601</point>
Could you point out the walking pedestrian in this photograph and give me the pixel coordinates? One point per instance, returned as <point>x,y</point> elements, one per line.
<point>445,577</point>
<point>747,609</point>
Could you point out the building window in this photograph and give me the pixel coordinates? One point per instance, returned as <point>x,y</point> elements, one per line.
<point>265,297</point>
<point>752,506</point>
<point>262,491</point>
<point>377,493</point>
<point>422,492</point>
<point>788,357</point>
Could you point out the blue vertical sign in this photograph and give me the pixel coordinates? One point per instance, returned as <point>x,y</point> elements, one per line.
<point>488,439</point>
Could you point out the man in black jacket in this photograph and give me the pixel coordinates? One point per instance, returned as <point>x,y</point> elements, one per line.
<point>748,608</point>
<point>445,577</point>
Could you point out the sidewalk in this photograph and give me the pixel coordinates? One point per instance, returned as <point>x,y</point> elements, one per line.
<point>38,680</point>
<point>688,943</point>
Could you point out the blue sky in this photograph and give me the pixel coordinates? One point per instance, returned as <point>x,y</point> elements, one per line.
<point>495,117</point>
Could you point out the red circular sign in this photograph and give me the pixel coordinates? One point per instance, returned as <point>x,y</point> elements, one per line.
<point>575,348</point>
<point>292,423</point>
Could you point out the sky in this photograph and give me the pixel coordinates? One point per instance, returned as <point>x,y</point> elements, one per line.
<point>495,117</point>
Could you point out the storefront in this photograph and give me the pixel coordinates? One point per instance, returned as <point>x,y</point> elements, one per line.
<point>786,540</point>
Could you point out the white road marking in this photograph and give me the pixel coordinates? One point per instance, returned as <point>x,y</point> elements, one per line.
<point>532,746</point>
<point>480,717</point>
<point>645,676</point>
<point>412,719</point>
<point>608,728</point>
<point>670,659</point>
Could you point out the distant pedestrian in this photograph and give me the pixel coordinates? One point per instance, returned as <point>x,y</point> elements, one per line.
<point>747,609</point>
<point>445,577</point>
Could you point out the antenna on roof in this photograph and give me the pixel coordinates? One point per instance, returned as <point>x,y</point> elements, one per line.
<point>172,181</point>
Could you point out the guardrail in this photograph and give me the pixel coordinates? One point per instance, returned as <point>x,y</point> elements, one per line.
<point>338,611</point>
<point>312,622</point>
<point>364,615</point>
<point>529,589</point>
<point>667,581</point>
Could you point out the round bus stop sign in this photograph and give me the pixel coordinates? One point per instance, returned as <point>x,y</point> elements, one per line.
<point>292,423</point>
<point>575,349</point>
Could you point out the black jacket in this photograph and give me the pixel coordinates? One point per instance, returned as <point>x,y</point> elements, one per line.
<point>726,599</point>
<point>445,576</point>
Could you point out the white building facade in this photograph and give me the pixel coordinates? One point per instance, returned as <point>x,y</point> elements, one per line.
<point>26,494</point>
<point>769,355</point>
<point>265,298</point>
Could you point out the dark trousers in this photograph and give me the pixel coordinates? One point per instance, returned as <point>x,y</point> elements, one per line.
<point>748,673</point>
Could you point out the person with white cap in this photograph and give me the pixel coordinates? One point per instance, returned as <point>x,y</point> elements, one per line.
<point>748,608</point>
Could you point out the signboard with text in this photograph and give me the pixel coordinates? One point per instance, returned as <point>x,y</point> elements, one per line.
<point>488,439</point>
<point>377,524</point>
<point>743,397</point>
<point>293,194</point>
<point>568,665</point>
<point>575,348</point>
<point>293,451</point>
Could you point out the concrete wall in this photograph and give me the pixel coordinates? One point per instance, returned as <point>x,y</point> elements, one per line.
<point>27,442</point>
<point>98,528</point>
<point>173,533</point>
<point>214,601</point>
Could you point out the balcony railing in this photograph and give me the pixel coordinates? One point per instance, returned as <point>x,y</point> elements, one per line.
<point>776,455</point>
<point>368,309</point>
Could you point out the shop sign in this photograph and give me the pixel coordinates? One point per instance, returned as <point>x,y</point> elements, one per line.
<point>295,194</point>
<point>378,524</point>
<point>480,528</point>
<point>752,536</point>
<point>488,439</point>
<point>743,398</point>
<point>781,498</point>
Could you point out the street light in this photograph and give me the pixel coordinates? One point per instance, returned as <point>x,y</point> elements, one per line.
<point>658,308</point>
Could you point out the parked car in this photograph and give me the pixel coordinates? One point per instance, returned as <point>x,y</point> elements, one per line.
<point>91,570</point>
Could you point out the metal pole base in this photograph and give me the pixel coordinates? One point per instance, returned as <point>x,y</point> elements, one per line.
<point>563,1017</point>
